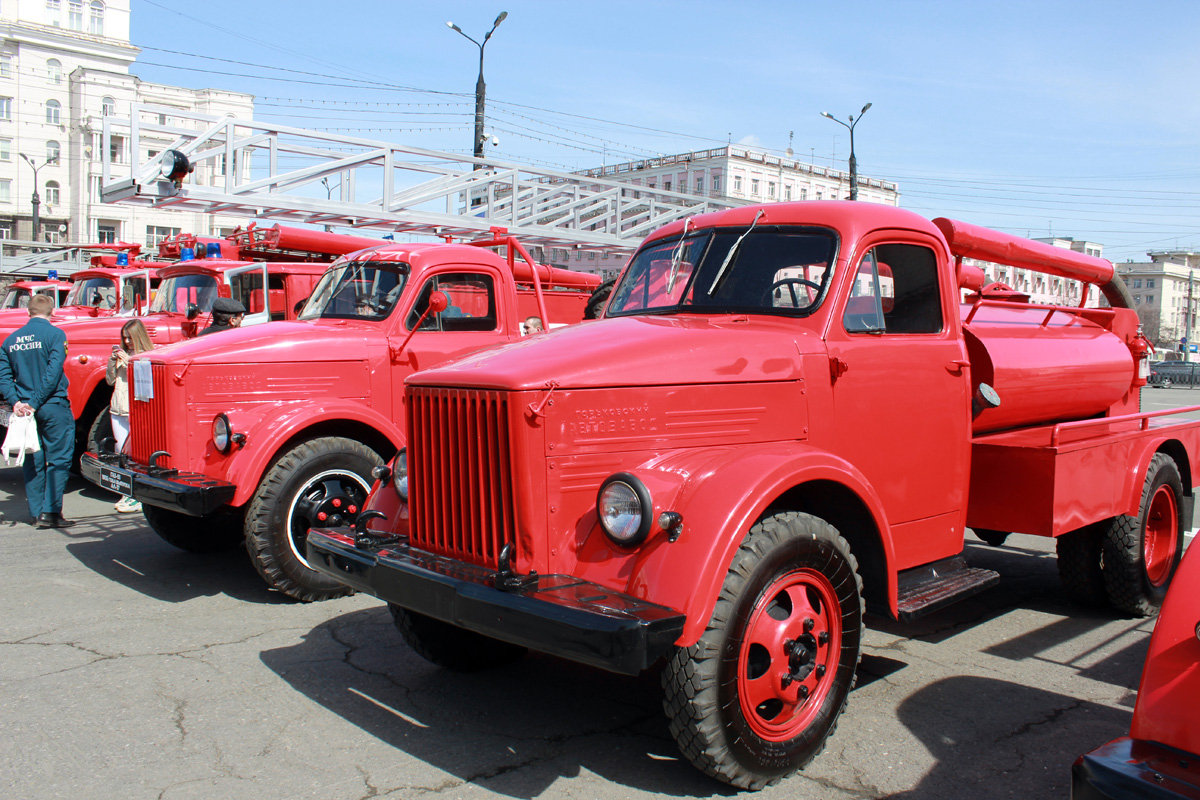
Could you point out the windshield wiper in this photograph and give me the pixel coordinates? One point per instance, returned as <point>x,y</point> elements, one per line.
<point>677,258</point>
<point>729,256</point>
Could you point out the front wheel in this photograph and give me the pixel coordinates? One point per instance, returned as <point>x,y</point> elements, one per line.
<point>1140,554</point>
<point>321,483</point>
<point>756,697</point>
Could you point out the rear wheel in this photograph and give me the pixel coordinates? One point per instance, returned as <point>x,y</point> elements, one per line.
<point>598,299</point>
<point>1079,565</point>
<point>449,646</point>
<point>1139,554</point>
<point>211,534</point>
<point>756,697</point>
<point>321,483</point>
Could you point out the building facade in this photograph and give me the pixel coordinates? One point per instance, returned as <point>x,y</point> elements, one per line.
<point>1166,293</point>
<point>64,65</point>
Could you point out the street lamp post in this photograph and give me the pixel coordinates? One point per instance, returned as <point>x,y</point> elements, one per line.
<point>36,200</point>
<point>853,161</point>
<point>480,86</point>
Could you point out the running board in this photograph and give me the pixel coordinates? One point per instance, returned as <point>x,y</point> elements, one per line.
<point>923,590</point>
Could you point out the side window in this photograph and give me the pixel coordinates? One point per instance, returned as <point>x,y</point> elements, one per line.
<point>247,289</point>
<point>895,291</point>
<point>472,306</point>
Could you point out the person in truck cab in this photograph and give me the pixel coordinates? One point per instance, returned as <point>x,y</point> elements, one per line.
<point>227,314</point>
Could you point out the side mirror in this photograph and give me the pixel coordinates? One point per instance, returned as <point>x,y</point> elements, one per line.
<point>193,311</point>
<point>438,302</point>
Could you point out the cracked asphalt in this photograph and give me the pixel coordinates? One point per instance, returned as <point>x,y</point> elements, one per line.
<point>130,669</point>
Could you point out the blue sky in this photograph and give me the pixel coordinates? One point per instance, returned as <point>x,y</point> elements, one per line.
<point>1072,118</point>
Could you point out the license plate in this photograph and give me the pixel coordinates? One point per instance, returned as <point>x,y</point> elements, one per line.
<point>118,480</point>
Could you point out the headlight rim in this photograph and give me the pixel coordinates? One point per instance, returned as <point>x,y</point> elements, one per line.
<point>647,511</point>
<point>400,474</point>
<point>222,418</point>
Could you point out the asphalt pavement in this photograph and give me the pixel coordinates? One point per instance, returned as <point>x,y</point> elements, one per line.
<point>130,669</point>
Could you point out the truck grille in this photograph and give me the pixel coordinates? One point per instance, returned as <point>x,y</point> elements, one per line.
<point>460,473</point>
<point>149,419</point>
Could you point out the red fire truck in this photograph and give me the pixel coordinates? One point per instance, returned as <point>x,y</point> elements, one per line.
<point>292,260</point>
<point>16,298</point>
<point>788,413</point>
<point>265,433</point>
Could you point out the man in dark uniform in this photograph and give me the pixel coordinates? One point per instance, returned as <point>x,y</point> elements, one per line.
<point>33,382</point>
<point>226,315</point>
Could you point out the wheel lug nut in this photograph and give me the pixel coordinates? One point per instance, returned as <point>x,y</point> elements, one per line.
<point>809,624</point>
<point>353,509</point>
<point>337,502</point>
<point>322,516</point>
<point>823,637</point>
<point>787,681</point>
<point>820,670</point>
<point>803,692</point>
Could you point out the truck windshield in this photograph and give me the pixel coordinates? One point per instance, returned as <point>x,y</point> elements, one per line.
<point>93,293</point>
<point>357,290</point>
<point>176,292</point>
<point>16,298</point>
<point>751,270</point>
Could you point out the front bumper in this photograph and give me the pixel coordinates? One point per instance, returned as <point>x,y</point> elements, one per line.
<point>560,615</point>
<point>1132,768</point>
<point>190,493</point>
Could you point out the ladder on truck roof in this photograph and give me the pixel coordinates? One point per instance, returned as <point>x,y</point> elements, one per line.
<point>63,259</point>
<point>261,169</point>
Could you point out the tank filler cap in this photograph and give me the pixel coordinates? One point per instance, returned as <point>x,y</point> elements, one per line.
<point>985,397</point>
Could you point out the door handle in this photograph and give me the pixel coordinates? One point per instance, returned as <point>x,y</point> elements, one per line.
<point>957,365</point>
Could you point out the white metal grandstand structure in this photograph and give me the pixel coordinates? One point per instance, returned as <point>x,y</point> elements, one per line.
<point>291,174</point>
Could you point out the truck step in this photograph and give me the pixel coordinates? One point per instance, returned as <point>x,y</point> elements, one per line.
<point>923,590</point>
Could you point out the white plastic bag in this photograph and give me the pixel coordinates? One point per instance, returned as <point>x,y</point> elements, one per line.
<point>22,438</point>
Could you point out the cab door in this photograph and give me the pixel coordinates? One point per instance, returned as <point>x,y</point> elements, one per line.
<point>133,293</point>
<point>471,322</point>
<point>901,393</point>
<point>248,286</point>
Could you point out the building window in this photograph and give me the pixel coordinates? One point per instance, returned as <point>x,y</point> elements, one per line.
<point>157,233</point>
<point>5,149</point>
<point>754,187</point>
<point>53,151</point>
<point>787,193</point>
<point>6,68</point>
<point>52,195</point>
<point>108,107</point>
<point>1150,298</point>
<point>737,184</point>
<point>1150,283</point>
<point>106,232</point>
<point>1137,284</point>
<point>116,149</point>
<point>54,71</point>
<point>75,15</point>
<point>96,18</point>
<point>52,237</point>
<point>54,12</point>
<point>5,190</point>
<point>716,184</point>
<point>666,186</point>
<point>5,108</point>
<point>53,112</point>
<point>699,185</point>
<point>771,189</point>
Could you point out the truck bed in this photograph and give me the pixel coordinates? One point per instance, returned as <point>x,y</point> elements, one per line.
<point>1048,480</point>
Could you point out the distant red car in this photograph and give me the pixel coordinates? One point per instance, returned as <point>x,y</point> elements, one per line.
<point>1160,758</point>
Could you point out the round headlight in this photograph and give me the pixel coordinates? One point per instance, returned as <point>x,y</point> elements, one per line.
<point>400,474</point>
<point>220,433</point>
<point>624,508</point>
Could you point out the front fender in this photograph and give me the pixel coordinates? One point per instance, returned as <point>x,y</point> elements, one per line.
<point>267,435</point>
<point>82,380</point>
<point>719,503</point>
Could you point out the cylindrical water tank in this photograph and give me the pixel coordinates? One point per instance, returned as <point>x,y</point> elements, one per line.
<point>1046,366</point>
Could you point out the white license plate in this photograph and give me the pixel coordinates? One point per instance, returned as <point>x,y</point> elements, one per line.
<point>117,480</point>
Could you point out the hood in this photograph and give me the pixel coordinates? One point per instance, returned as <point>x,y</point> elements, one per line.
<point>640,351</point>
<point>273,343</point>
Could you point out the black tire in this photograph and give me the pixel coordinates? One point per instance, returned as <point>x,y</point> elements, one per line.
<point>449,646</point>
<point>1140,554</point>
<point>330,475</point>
<point>790,567</point>
<point>990,537</point>
<point>1079,568</point>
<point>595,303</point>
<point>212,534</point>
<point>100,430</point>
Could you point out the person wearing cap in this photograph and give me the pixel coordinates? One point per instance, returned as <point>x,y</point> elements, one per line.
<point>227,314</point>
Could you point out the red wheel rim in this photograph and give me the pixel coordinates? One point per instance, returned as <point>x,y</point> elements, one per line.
<point>1159,540</point>
<point>789,655</point>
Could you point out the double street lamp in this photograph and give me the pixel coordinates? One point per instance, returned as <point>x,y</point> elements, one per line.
<point>36,200</point>
<point>853,162</point>
<point>480,87</point>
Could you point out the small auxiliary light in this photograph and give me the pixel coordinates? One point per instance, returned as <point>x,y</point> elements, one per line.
<point>122,259</point>
<point>187,254</point>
